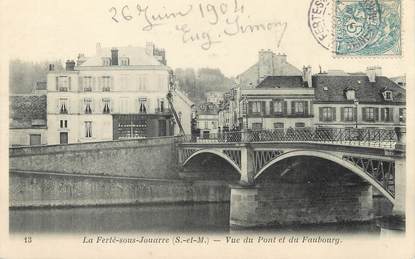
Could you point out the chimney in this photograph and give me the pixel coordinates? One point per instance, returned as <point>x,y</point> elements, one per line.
<point>373,72</point>
<point>98,49</point>
<point>51,67</point>
<point>70,65</point>
<point>307,76</point>
<point>81,59</point>
<point>114,57</point>
<point>150,48</point>
<point>265,64</point>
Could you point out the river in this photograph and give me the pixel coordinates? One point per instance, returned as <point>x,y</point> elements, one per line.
<point>178,218</point>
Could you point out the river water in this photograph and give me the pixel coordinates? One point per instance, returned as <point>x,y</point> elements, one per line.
<point>177,218</point>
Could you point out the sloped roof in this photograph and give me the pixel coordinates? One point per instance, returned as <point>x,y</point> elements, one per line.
<point>27,108</point>
<point>136,55</point>
<point>365,91</point>
<point>282,82</point>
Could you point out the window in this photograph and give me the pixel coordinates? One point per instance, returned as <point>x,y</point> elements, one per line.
<point>327,113</point>
<point>124,61</point>
<point>87,106</point>
<point>142,102</point>
<point>299,108</point>
<point>206,124</point>
<point>402,114</point>
<point>106,83</point>
<point>386,114</point>
<point>63,124</point>
<point>348,114</point>
<point>35,139</point>
<point>256,107</point>
<point>257,126</point>
<point>63,106</point>
<point>88,129</point>
<point>278,125</point>
<point>387,95</point>
<point>107,106</point>
<point>87,83</point>
<point>369,114</point>
<point>278,106</point>
<point>161,107</point>
<point>63,83</point>
<point>106,61</point>
<point>350,94</point>
<point>299,124</point>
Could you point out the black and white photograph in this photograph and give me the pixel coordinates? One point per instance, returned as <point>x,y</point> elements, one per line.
<point>210,129</point>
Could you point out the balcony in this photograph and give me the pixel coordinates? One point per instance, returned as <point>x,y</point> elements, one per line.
<point>63,89</point>
<point>87,89</point>
<point>106,89</point>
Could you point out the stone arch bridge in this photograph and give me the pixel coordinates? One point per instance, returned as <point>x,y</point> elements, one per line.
<point>377,157</point>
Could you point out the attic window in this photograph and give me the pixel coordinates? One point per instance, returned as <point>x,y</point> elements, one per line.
<point>387,95</point>
<point>106,61</point>
<point>124,61</point>
<point>350,94</point>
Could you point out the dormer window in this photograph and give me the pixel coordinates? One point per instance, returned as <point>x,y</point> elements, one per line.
<point>350,94</point>
<point>106,62</point>
<point>124,61</point>
<point>387,95</point>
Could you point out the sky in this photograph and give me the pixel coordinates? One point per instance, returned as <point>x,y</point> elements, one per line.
<point>51,29</point>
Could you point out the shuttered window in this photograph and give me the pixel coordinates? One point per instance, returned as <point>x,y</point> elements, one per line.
<point>370,114</point>
<point>327,113</point>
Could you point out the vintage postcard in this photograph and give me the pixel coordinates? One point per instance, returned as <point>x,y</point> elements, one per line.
<point>207,129</point>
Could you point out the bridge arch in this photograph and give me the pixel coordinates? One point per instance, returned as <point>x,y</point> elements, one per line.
<point>333,158</point>
<point>217,152</point>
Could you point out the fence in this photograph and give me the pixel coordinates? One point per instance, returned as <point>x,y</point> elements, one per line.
<point>347,136</point>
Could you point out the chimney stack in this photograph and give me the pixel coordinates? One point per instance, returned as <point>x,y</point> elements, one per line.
<point>98,49</point>
<point>307,76</point>
<point>150,48</point>
<point>70,65</point>
<point>373,72</point>
<point>114,57</point>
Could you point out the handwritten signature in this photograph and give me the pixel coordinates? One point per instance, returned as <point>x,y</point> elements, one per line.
<point>214,14</point>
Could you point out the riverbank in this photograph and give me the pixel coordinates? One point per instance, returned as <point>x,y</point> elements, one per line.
<point>36,189</point>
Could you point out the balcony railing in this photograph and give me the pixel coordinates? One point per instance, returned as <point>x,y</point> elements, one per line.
<point>342,136</point>
<point>106,89</point>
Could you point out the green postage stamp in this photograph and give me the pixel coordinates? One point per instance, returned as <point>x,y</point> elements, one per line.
<point>368,28</point>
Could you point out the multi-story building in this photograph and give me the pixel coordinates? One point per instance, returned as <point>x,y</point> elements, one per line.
<point>207,119</point>
<point>358,100</point>
<point>269,64</point>
<point>118,93</point>
<point>278,102</point>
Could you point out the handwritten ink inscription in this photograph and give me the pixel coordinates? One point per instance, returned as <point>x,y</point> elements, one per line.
<point>222,20</point>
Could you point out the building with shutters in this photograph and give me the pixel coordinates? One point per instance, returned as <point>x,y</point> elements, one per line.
<point>358,100</point>
<point>278,102</point>
<point>207,119</point>
<point>118,93</point>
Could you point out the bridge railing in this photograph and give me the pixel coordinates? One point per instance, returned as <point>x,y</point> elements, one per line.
<point>345,136</point>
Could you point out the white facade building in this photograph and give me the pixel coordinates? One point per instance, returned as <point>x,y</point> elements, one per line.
<point>118,93</point>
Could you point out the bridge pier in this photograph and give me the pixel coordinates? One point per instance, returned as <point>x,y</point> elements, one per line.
<point>400,188</point>
<point>400,174</point>
<point>289,203</point>
<point>247,165</point>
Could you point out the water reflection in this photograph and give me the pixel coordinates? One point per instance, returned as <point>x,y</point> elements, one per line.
<point>184,218</point>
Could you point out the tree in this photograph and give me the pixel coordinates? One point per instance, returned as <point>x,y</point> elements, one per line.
<point>23,75</point>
